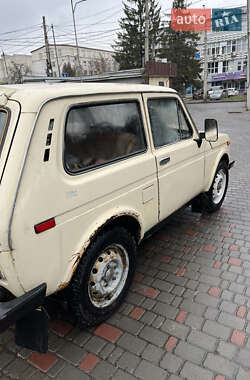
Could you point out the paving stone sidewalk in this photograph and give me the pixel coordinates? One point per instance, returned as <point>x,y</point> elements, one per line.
<point>187,314</point>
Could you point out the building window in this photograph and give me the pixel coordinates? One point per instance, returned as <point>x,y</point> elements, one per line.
<point>208,51</point>
<point>217,49</point>
<point>239,66</point>
<point>212,67</point>
<point>223,49</point>
<point>213,50</point>
<point>233,46</point>
<point>161,84</point>
<point>224,66</point>
<point>238,45</point>
<point>228,47</point>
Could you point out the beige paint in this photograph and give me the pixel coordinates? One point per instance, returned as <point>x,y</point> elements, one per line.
<point>82,204</point>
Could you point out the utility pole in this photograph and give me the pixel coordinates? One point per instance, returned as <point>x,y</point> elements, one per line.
<point>58,67</point>
<point>48,60</point>
<point>74,21</point>
<point>5,65</point>
<point>205,65</point>
<point>146,59</point>
<point>248,57</point>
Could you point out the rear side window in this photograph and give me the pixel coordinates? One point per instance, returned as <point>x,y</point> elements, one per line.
<point>3,126</point>
<point>101,134</point>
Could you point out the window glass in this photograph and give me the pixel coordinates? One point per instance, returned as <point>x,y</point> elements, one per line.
<point>185,128</point>
<point>3,122</point>
<point>164,120</point>
<point>97,134</point>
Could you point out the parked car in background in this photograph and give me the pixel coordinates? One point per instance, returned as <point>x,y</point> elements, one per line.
<point>217,94</point>
<point>213,89</point>
<point>198,94</point>
<point>232,91</point>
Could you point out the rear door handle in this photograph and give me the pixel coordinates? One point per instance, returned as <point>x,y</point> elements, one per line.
<point>164,161</point>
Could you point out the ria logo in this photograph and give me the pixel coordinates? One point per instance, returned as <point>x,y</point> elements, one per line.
<point>226,19</point>
<point>196,19</point>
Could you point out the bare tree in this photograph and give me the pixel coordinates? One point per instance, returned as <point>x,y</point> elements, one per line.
<point>17,71</point>
<point>100,65</point>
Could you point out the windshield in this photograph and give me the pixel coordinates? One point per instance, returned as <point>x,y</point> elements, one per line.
<point>3,123</point>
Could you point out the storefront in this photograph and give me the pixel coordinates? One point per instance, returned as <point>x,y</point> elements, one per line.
<point>237,80</point>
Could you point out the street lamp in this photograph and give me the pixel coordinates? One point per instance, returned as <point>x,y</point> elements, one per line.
<point>73,6</point>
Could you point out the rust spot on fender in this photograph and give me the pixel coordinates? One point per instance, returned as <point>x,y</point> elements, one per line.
<point>77,256</point>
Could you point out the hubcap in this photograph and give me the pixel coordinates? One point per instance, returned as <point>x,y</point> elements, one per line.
<point>219,186</point>
<point>108,276</point>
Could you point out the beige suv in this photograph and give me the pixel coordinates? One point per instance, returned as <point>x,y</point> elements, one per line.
<point>86,171</point>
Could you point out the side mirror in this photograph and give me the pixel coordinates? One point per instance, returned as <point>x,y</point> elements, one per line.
<point>211,130</point>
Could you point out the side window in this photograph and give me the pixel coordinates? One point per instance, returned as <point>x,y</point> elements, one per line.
<point>185,128</point>
<point>3,126</point>
<point>101,133</point>
<point>164,120</point>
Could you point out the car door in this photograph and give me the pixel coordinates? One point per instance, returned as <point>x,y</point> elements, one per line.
<point>179,158</point>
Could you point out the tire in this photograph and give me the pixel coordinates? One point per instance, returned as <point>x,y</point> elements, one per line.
<point>103,277</point>
<point>216,194</point>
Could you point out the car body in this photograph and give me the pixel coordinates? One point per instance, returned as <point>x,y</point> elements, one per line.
<point>198,95</point>
<point>232,91</point>
<point>217,94</point>
<point>86,172</point>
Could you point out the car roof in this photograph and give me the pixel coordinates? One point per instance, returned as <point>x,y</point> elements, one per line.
<point>32,95</point>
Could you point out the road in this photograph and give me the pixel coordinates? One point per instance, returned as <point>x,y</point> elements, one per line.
<point>187,314</point>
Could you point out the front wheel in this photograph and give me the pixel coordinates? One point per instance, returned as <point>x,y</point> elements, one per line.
<point>218,189</point>
<point>103,277</point>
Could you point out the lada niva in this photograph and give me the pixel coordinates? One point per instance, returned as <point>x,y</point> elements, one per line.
<point>86,172</point>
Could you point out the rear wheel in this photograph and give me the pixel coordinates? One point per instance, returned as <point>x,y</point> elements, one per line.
<point>103,277</point>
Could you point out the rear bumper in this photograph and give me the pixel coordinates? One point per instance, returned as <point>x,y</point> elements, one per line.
<point>17,308</point>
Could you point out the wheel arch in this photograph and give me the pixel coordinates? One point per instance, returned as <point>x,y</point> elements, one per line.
<point>128,219</point>
<point>222,157</point>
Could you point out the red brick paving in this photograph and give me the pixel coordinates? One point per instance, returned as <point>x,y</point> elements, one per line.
<point>108,332</point>
<point>209,248</point>
<point>238,337</point>
<point>171,343</point>
<point>147,291</point>
<point>89,362</point>
<point>43,361</point>
<point>138,277</point>
<point>217,265</point>
<point>234,247</point>
<point>215,292</point>
<point>226,234</point>
<point>219,377</point>
<point>235,261</point>
<point>241,311</point>
<point>61,328</point>
<point>181,316</point>
<point>191,232</point>
<point>180,272</point>
<point>137,313</point>
<point>187,250</point>
<point>165,259</point>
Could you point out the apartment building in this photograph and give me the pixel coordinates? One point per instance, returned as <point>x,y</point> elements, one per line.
<point>93,61</point>
<point>227,53</point>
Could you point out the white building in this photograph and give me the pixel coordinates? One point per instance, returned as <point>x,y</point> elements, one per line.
<point>7,65</point>
<point>227,56</point>
<point>93,61</point>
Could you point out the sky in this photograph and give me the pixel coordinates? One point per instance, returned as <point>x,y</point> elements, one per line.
<point>97,21</point>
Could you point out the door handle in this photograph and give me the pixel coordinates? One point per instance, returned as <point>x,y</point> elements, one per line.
<point>164,161</point>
